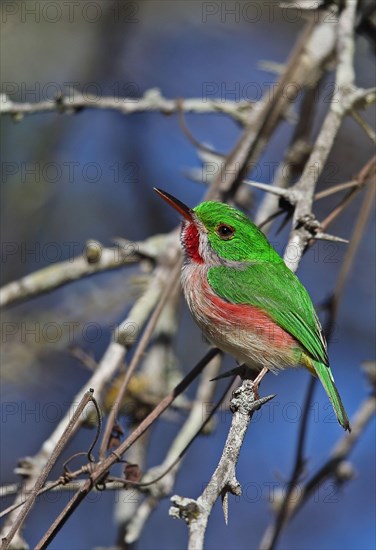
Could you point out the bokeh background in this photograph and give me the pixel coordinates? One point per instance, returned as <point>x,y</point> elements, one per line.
<point>67,179</point>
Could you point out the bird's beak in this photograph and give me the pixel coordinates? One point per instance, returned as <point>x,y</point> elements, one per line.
<point>184,210</point>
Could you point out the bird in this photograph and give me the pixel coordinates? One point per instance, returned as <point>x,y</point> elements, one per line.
<point>245,299</point>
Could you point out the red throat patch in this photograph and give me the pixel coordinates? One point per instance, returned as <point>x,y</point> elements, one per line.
<point>191,242</point>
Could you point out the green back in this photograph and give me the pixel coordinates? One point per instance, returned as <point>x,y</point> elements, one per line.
<point>262,279</point>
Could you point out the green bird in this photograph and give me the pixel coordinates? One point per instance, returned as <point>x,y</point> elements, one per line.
<point>246,300</point>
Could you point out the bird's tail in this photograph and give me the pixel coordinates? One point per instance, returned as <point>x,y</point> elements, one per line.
<point>325,375</point>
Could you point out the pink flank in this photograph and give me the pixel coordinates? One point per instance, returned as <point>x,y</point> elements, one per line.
<point>251,318</point>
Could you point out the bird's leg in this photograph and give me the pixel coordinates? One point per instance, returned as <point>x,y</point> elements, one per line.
<point>257,380</point>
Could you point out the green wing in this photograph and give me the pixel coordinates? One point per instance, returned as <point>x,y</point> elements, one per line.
<point>276,290</point>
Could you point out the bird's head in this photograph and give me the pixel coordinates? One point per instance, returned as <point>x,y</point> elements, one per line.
<point>216,233</point>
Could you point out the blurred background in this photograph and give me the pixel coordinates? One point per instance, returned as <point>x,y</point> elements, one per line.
<point>70,178</point>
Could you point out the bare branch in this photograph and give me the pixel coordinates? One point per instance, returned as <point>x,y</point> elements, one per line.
<point>170,285</point>
<point>295,157</point>
<point>275,529</point>
<point>40,481</point>
<point>364,215</point>
<point>313,48</point>
<point>336,189</point>
<point>95,260</point>
<point>343,100</point>
<point>103,467</point>
<point>152,101</point>
<point>124,336</point>
<point>170,466</point>
<point>340,452</point>
<point>223,481</point>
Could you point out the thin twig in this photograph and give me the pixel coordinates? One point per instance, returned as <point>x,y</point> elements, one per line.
<point>67,434</point>
<point>59,484</point>
<point>272,533</point>
<point>364,125</point>
<point>102,468</point>
<point>336,189</point>
<point>366,175</point>
<point>342,449</point>
<point>170,285</point>
<point>364,215</point>
<point>333,467</point>
<point>163,476</point>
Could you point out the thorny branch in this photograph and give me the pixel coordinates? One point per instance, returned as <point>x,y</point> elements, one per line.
<point>344,99</point>
<point>223,481</point>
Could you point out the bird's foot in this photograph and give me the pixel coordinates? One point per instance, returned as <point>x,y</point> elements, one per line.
<point>310,223</point>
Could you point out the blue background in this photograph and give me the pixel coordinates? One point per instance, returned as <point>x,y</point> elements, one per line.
<point>173,46</point>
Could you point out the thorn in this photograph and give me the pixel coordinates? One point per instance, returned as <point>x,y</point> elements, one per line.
<point>236,371</point>
<point>274,190</point>
<point>326,237</point>
<point>225,505</point>
<point>260,402</point>
<point>271,66</point>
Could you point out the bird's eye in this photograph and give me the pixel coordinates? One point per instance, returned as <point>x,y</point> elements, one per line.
<point>226,232</point>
